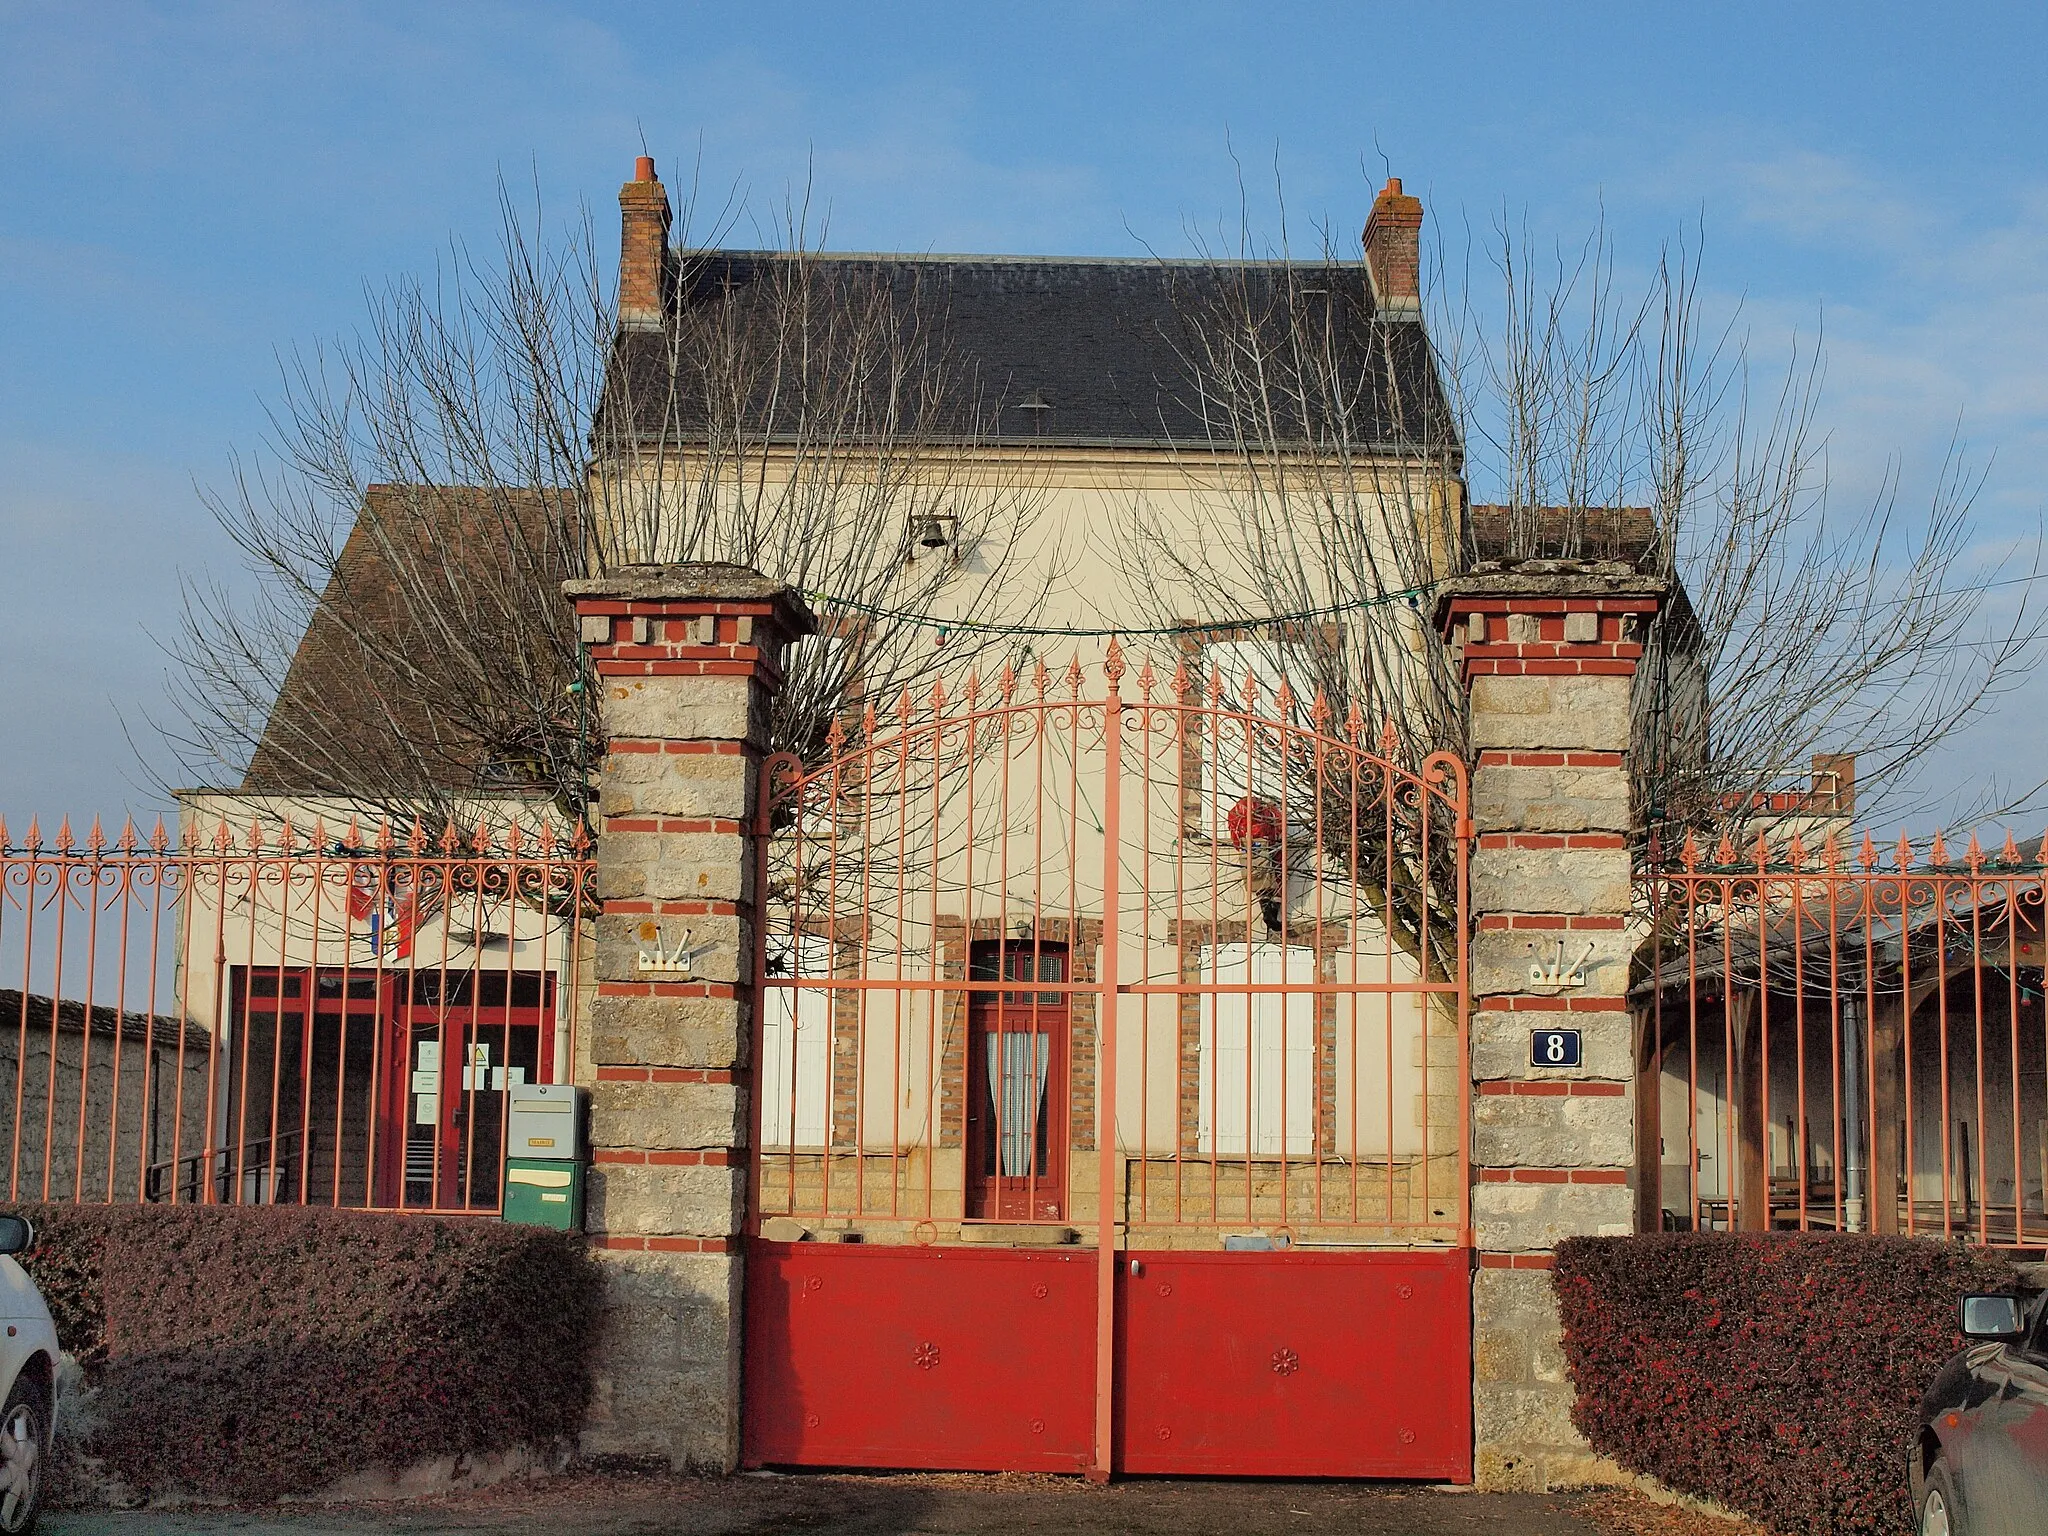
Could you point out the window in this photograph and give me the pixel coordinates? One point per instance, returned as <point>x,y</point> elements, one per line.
<point>1017,1079</point>
<point>1245,763</point>
<point>1022,960</point>
<point>1258,1052</point>
<point>796,1037</point>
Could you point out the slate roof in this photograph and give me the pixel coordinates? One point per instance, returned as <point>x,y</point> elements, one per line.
<point>1087,351</point>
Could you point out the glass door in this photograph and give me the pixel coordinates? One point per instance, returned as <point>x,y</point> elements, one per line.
<point>1017,1085</point>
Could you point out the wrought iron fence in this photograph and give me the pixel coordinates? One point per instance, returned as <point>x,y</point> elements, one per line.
<point>281,1013</point>
<point>1846,1041</point>
<point>1080,948</point>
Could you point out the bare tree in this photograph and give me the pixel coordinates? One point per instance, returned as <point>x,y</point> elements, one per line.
<point>1606,427</point>
<point>1328,507</point>
<point>429,483</point>
<point>1797,627</point>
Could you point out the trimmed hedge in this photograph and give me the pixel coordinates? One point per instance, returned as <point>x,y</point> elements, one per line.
<point>1779,1374</point>
<point>257,1352</point>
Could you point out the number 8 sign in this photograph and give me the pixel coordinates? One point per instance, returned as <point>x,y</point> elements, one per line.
<point>1554,1048</point>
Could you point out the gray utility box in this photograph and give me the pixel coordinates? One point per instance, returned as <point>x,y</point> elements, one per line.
<point>547,1122</point>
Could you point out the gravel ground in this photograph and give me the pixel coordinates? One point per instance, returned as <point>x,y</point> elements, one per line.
<point>594,1504</point>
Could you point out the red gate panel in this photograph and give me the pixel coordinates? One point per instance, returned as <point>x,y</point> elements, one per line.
<point>953,1359</point>
<point>1296,1364</point>
<point>1154,958</point>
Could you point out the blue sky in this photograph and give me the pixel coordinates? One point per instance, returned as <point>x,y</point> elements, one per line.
<point>186,189</point>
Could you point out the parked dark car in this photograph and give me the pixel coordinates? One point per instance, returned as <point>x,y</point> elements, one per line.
<point>1981,1466</point>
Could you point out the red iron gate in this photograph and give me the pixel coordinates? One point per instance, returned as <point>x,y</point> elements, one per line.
<point>1847,1042</point>
<point>1110,1107</point>
<point>312,1015</point>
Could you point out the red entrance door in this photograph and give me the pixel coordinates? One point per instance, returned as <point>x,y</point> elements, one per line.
<point>1017,1085</point>
<point>456,1042</point>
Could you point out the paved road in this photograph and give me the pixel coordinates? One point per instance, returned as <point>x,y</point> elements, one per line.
<point>900,1506</point>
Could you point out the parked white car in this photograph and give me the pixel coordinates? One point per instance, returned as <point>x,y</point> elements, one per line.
<point>28,1375</point>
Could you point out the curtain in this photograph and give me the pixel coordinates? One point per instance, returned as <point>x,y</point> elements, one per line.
<point>1017,1062</point>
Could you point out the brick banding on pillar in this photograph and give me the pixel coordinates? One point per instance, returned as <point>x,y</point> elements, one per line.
<point>1515,1004</point>
<point>628,1244</point>
<point>687,660</point>
<point>667,1075</point>
<point>721,989</point>
<point>1553,922</point>
<point>1506,759</point>
<point>1548,652</point>
<point>1553,1090</point>
<point>1550,841</point>
<point>1516,1261</point>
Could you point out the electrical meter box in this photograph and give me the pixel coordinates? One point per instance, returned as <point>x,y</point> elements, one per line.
<point>547,1122</point>
<point>544,1193</point>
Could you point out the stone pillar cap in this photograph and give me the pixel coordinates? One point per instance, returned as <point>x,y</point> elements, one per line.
<point>709,581</point>
<point>1496,579</point>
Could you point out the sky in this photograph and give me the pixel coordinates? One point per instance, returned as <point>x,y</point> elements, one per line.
<point>189,190</point>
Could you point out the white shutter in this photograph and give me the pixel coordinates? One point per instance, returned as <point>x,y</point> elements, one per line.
<point>796,1036</point>
<point>1263,1074</point>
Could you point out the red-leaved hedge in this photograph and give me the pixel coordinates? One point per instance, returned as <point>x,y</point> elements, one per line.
<point>256,1352</point>
<point>1778,1374</point>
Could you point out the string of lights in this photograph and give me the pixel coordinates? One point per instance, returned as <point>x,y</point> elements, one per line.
<point>825,602</point>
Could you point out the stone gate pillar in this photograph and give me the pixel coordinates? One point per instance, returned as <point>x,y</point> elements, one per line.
<point>686,661</point>
<point>1549,650</point>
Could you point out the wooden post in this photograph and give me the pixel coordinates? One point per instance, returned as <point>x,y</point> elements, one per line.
<point>1752,1190</point>
<point>1649,1170</point>
<point>1887,1111</point>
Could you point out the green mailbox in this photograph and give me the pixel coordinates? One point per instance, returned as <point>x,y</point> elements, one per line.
<point>544,1156</point>
<point>544,1193</point>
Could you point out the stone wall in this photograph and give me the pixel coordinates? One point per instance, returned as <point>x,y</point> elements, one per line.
<point>1549,651</point>
<point>132,1108</point>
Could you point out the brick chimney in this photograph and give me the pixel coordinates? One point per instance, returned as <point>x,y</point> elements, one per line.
<point>1393,252</point>
<point>643,247</point>
<point>1834,784</point>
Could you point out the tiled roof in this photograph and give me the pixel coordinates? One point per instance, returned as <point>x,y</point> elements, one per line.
<point>348,702</point>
